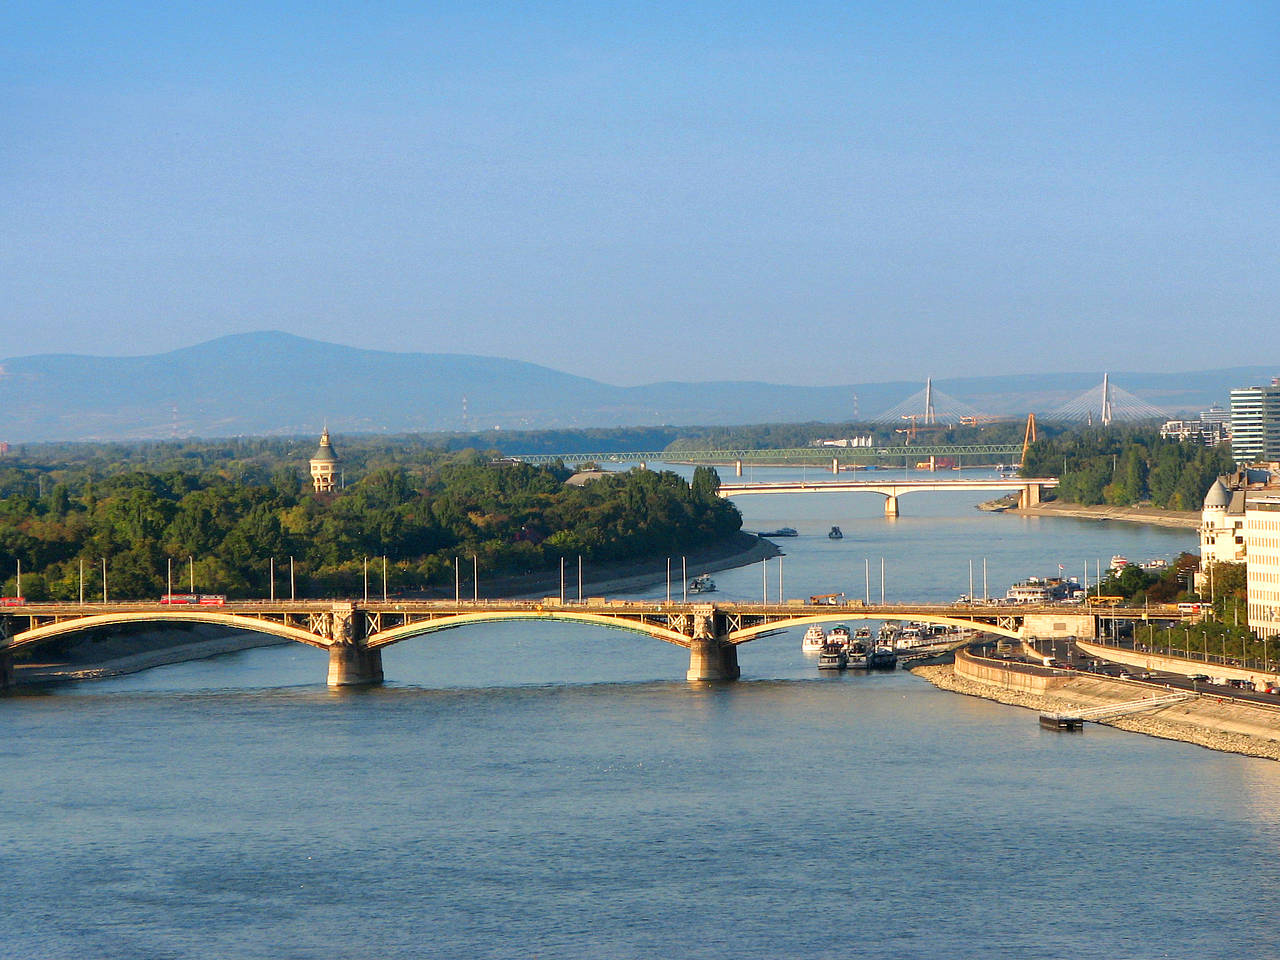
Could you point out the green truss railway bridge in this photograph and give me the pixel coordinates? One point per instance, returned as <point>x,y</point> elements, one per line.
<point>971,454</point>
<point>355,632</point>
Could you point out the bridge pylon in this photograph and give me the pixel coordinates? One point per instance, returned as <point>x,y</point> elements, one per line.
<point>711,656</point>
<point>351,662</point>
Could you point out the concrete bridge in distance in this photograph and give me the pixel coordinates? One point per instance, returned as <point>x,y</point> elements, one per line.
<point>1029,489</point>
<point>354,633</point>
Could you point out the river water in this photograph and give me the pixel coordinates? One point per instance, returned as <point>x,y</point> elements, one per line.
<point>559,791</point>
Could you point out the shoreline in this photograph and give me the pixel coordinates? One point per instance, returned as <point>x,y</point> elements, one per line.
<point>738,551</point>
<point>1205,722</point>
<point>1153,516</point>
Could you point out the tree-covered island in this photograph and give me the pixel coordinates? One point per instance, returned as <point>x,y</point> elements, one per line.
<point>227,519</point>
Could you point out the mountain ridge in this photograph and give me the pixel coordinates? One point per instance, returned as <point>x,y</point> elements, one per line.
<point>274,382</point>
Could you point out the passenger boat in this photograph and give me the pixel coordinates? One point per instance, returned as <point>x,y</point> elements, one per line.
<point>858,652</point>
<point>882,657</point>
<point>832,657</point>
<point>780,532</point>
<point>839,635</point>
<point>814,638</point>
<point>835,534</point>
<point>702,584</point>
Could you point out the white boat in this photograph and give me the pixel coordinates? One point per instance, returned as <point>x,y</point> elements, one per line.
<point>839,635</point>
<point>814,638</point>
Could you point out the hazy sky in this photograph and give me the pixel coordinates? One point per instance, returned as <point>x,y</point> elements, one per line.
<point>808,193</point>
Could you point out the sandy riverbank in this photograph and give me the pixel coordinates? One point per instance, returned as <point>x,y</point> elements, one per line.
<point>1150,515</point>
<point>604,579</point>
<point>1205,721</point>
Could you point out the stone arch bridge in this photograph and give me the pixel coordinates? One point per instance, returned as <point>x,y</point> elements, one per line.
<point>355,632</point>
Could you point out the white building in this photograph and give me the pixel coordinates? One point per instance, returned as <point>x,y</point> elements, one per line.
<point>1255,423</point>
<point>1262,545</point>
<point>1222,521</point>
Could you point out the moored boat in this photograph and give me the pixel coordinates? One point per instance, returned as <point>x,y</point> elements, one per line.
<point>813,639</point>
<point>832,657</point>
<point>835,534</point>
<point>702,584</point>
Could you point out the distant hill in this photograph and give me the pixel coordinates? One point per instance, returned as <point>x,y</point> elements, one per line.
<point>277,383</point>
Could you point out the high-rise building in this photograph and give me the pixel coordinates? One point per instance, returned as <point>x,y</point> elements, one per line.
<point>1255,423</point>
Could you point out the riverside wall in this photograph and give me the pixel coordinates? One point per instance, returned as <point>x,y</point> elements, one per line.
<point>1206,721</point>
<point>1003,675</point>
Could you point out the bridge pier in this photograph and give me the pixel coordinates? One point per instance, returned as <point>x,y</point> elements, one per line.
<point>737,468</point>
<point>354,665</point>
<point>710,659</point>
<point>6,669</point>
<point>891,506</point>
<point>1029,496</point>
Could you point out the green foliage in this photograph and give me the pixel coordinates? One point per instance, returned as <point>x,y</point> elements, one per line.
<point>1123,467</point>
<point>232,519</point>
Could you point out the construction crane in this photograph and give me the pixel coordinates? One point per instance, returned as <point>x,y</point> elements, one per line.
<point>1029,437</point>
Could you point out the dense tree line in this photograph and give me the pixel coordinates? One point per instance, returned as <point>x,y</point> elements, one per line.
<point>231,519</point>
<point>1126,467</point>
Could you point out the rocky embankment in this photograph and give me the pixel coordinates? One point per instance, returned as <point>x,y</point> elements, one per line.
<point>1231,727</point>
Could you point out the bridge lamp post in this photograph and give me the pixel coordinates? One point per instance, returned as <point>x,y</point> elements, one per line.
<point>384,578</point>
<point>169,581</point>
<point>271,577</point>
<point>475,578</point>
<point>292,585</point>
<point>366,579</point>
<point>191,567</point>
<point>18,588</point>
<point>81,581</point>
<point>104,580</point>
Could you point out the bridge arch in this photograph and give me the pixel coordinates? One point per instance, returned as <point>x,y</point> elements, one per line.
<point>747,634</point>
<point>237,621</point>
<point>385,638</point>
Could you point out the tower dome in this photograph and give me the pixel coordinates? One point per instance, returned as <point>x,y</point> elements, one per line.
<point>324,465</point>
<point>1218,497</point>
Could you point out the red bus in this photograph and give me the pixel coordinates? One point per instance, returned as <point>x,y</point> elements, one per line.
<point>204,599</point>
<point>12,601</point>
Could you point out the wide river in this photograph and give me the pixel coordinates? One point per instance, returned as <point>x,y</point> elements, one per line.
<point>561,791</point>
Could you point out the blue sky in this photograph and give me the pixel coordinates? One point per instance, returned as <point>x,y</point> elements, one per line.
<point>825,193</point>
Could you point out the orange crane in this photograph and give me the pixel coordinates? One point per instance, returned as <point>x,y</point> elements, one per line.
<point>1029,437</point>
